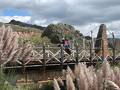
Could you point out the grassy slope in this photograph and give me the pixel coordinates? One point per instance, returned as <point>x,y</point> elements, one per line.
<point>34,39</point>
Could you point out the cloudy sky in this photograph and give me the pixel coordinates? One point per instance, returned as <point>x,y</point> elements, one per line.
<point>85,15</point>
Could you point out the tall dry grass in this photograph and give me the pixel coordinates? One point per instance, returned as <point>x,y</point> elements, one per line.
<point>10,49</point>
<point>88,78</point>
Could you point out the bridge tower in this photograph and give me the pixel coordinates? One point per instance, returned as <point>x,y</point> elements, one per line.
<point>101,44</point>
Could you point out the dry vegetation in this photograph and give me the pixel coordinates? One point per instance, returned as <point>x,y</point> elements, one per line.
<point>10,49</point>
<point>88,78</point>
<point>82,78</point>
<point>11,52</point>
<point>28,34</point>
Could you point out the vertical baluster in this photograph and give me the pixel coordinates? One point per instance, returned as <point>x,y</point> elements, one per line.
<point>44,58</point>
<point>76,53</point>
<point>61,56</point>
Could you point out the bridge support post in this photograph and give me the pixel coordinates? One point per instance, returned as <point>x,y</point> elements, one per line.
<point>103,56</point>
<point>76,53</point>
<point>24,71</point>
<point>44,58</point>
<point>90,52</point>
<point>113,48</point>
<point>61,56</point>
<point>91,43</point>
<point>84,43</point>
<point>102,42</point>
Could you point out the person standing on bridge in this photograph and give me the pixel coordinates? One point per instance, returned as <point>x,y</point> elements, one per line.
<point>67,46</point>
<point>66,43</point>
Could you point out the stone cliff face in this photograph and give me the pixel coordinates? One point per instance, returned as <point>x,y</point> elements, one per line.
<point>101,43</point>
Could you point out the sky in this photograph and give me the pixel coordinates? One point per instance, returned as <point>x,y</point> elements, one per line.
<point>84,15</point>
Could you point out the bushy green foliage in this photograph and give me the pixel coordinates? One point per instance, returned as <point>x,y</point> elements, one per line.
<point>52,32</point>
<point>7,81</point>
<point>55,32</point>
<point>34,40</point>
<point>47,86</point>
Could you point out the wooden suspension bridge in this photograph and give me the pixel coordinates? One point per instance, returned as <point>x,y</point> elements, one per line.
<point>47,55</point>
<point>55,57</point>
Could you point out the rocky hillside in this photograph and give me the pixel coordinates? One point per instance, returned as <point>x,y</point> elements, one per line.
<point>55,32</point>
<point>28,34</point>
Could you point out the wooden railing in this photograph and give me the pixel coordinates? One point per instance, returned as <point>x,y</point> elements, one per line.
<point>46,56</point>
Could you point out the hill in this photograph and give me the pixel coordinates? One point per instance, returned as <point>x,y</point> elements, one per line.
<point>28,34</point>
<point>55,32</point>
<point>14,22</point>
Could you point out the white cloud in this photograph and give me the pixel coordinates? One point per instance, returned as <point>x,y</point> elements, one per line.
<point>40,22</point>
<point>68,11</point>
<point>86,29</point>
<point>86,15</point>
<point>7,19</point>
<point>112,27</point>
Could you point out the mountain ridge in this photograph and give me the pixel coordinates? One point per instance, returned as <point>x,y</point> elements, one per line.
<point>14,22</point>
<point>54,32</point>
